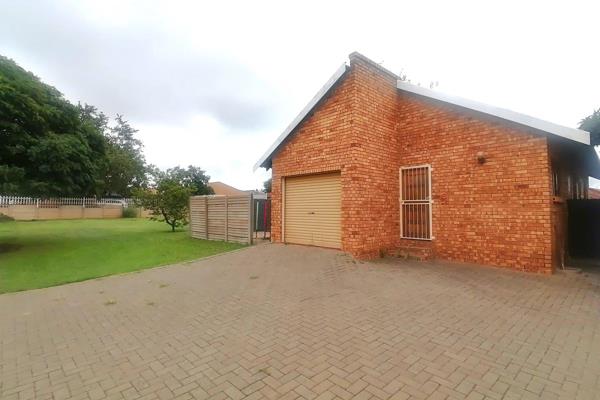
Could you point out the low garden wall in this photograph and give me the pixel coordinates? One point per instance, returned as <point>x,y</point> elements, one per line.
<point>28,209</point>
<point>31,212</point>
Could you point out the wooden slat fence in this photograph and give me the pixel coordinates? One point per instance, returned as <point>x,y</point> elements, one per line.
<point>225,218</point>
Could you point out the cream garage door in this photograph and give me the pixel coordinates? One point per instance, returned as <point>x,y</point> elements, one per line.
<point>313,210</point>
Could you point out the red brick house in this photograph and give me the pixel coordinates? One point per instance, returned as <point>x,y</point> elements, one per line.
<point>374,165</point>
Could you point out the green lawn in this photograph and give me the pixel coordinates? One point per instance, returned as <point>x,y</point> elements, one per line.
<point>47,253</point>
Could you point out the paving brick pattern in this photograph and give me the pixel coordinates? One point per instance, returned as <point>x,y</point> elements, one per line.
<point>287,322</point>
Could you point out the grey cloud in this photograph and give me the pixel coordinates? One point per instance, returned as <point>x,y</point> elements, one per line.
<point>139,71</point>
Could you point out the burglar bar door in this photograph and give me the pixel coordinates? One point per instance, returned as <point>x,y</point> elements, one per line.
<point>415,202</point>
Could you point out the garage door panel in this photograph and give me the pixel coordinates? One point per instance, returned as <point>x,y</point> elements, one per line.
<point>313,210</point>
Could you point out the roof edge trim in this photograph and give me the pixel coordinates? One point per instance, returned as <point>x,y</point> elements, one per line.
<point>574,134</point>
<point>262,162</point>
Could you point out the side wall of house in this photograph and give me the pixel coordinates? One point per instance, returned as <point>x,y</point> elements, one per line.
<point>352,131</point>
<point>495,213</point>
<point>372,216</point>
<point>320,144</point>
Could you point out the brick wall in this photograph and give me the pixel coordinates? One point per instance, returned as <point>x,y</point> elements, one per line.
<point>497,213</point>
<point>352,131</point>
<point>372,211</point>
<point>321,144</point>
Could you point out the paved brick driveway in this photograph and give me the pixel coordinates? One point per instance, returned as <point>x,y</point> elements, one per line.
<point>281,322</point>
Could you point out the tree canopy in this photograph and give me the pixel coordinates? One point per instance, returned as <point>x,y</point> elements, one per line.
<point>267,185</point>
<point>169,194</point>
<point>46,148</point>
<point>168,201</point>
<point>126,165</point>
<point>591,123</point>
<point>50,147</point>
<point>193,178</point>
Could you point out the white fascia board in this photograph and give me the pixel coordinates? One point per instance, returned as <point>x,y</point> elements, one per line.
<point>305,111</point>
<point>576,135</point>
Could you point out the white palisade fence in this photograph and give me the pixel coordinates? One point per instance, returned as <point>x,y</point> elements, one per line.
<point>62,201</point>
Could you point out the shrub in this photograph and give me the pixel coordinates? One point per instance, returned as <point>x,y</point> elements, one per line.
<point>130,212</point>
<point>168,201</point>
<point>5,218</point>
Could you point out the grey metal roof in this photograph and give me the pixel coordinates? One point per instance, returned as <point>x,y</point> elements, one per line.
<point>577,135</point>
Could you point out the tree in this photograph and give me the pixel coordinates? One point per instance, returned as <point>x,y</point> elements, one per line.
<point>96,121</point>
<point>46,147</point>
<point>267,185</point>
<point>126,165</point>
<point>89,114</point>
<point>193,178</point>
<point>170,192</point>
<point>168,202</point>
<point>591,123</point>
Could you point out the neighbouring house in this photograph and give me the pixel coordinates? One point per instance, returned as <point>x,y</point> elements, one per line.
<point>594,194</point>
<point>222,189</point>
<point>375,165</point>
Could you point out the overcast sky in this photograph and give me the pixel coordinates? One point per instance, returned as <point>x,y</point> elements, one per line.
<point>214,83</point>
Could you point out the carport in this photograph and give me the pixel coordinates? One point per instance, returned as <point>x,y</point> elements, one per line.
<point>584,229</point>
<point>575,217</point>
